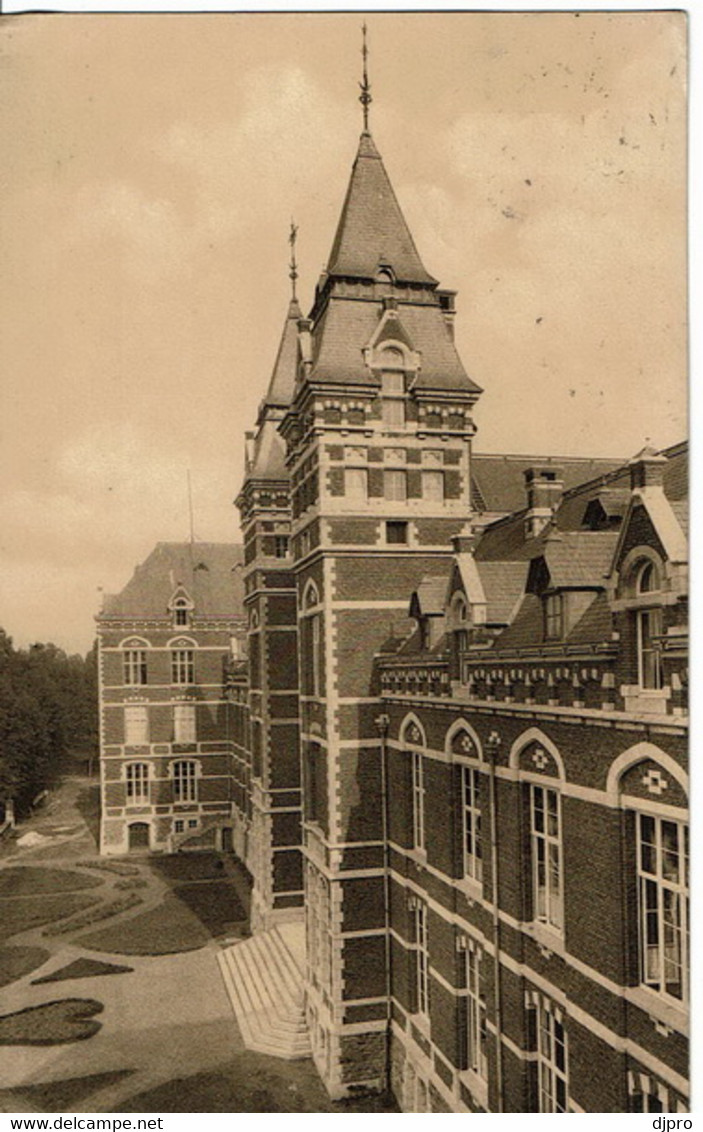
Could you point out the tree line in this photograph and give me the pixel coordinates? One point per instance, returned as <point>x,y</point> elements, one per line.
<point>48,710</point>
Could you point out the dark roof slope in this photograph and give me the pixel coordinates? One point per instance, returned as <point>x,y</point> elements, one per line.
<point>498,482</point>
<point>372,229</point>
<point>347,326</point>
<point>206,570</point>
<point>282,384</point>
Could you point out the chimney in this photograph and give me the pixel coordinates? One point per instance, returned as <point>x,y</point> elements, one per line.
<point>544,486</point>
<point>647,469</point>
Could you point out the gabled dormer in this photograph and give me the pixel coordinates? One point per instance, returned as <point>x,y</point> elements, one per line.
<point>181,607</point>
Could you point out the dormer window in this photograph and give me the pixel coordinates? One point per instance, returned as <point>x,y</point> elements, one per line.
<point>554,617</point>
<point>180,613</point>
<point>393,387</point>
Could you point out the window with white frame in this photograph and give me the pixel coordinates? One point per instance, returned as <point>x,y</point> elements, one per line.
<point>180,611</point>
<point>649,626</point>
<point>137,779</point>
<point>662,883</point>
<point>475,1011</point>
<point>182,668</point>
<point>418,799</point>
<point>647,1094</point>
<point>545,847</point>
<point>136,725</point>
<point>433,486</point>
<point>356,484</point>
<point>554,616</point>
<point>315,653</point>
<point>184,723</point>
<point>422,956</point>
<point>395,485</point>
<point>393,395</point>
<point>134,667</point>
<point>471,814</point>
<point>552,1059</point>
<point>185,781</point>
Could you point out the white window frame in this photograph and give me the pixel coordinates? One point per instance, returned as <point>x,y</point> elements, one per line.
<point>185,782</point>
<point>552,1060</point>
<point>136,725</point>
<point>546,856</point>
<point>395,485</point>
<point>471,822</point>
<point>316,652</point>
<point>356,484</point>
<point>137,784</point>
<point>433,486</point>
<point>134,667</point>
<point>554,616</point>
<point>662,902</point>
<point>418,800</point>
<point>182,666</point>
<point>476,1059</point>
<point>180,613</point>
<point>649,667</point>
<point>184,727</point>
<point>422,957</point>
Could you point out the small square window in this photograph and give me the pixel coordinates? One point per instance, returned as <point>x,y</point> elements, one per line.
<point>192,823</point>
<point>396,532</point>
<point>178,825</point>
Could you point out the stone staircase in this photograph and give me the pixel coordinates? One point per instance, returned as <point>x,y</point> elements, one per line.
<point>265,984</point>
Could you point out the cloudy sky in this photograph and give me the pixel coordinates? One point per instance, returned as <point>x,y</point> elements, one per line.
<point>151,168</point>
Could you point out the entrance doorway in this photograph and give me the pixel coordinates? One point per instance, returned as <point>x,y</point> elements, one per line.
<point>138,833</point>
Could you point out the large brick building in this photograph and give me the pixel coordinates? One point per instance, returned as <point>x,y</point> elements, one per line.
<point>457,747</point>
<point>466,715</point>
<point>166,644</point>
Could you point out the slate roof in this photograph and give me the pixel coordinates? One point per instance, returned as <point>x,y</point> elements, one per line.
<point>204,569</point>
<point>282,384</point>
<point>347,325</point>
<point>577,559</point>
<point>498,482</point>
<point>269,462</point>
<point>502,582</point>
<point>372,228</point>
<point>428,598</point>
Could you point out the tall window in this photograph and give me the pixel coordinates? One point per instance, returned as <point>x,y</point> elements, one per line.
<point>554,617</point>
<point>184,781</point>
<point>184,723</point>
<point>136,725</point>
<point>470,792</point>
<point>649,629</point>
<point>475,1012</point>
<point>395,485</point>
<point>315,653</point>
<point>422,957</point>
<point>137,778</point>
<point>545,837</point>
<point>134,664</point>
<point>552,1067</point>
<point>355,483</point>
<point>433,486</point>
<point>182,666</point>
<point>180,611</point>
<point>280,546</point>
<point>662,881</point>
<point>393,394</point>
<point>418,790</point>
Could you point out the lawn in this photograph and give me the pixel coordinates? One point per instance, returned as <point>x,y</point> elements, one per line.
<point>18,961</point>
<point>82,968</point>
<point>23,880</point>
<point>252,1082</point>
<point>188,866</point>
<point>32,911</point>
<point>52,1023</point>
<point>216,905</point>
<point>57,1096</point>
<point>163,930</point>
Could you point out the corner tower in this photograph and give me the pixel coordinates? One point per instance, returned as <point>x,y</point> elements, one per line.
<point>270,844</point>
<point>378,439</point>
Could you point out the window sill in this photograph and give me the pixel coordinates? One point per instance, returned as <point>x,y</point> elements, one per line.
<point>418,856</point>
<point>477,1086</point>
<point>664,1011</point>
<point>471,888</point>
<point>547,939</point>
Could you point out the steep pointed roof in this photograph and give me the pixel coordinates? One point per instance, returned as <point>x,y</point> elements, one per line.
<point>372,229</point>
<point>282,383</point>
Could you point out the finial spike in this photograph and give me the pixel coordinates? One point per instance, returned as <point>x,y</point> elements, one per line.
<point>365,96</point>
<point>293,272</point>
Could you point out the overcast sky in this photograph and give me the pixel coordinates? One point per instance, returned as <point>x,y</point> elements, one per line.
<point>151,168</point>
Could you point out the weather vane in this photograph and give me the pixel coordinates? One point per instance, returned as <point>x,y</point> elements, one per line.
<point>365,96</point>
<point>293,273</point>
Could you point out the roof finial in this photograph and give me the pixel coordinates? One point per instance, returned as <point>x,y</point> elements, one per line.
<point>293,273</point>
<point>365,96</point>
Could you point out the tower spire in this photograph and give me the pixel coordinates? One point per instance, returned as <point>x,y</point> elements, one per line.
<point>293,266</point>
<point>365,97</point>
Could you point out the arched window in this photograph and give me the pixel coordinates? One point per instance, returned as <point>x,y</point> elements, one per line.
<point>312,639</point>
<point>541,768</point>
<point>392,363</point>
<point>649,626</point>
<point>414,740</point>
<point>137,779</point>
